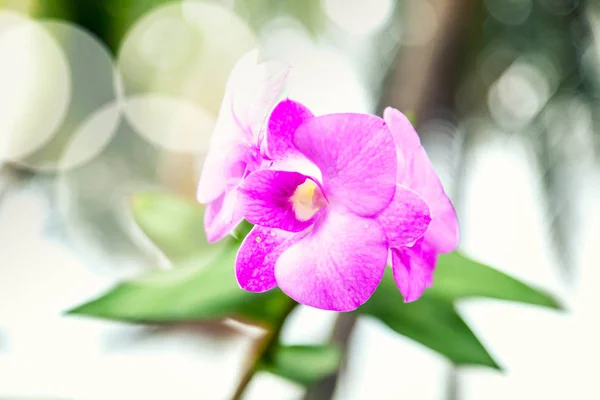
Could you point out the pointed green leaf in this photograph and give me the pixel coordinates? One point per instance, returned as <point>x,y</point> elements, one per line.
<point>458,277</point>
<point>431,321</point>
<point>304,364</point>
<point>191,291</point>
<point>202,283</point>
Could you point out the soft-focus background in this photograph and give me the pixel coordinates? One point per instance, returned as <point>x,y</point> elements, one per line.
<point>102,99</point>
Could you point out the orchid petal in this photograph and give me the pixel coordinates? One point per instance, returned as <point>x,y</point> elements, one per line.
<point>255,262</point>
<point>285,118</point>
<point>223,167</point>
<point>336,265</point>
<point>252,90</point>
<point>268,200</point>
<point>357,157</point>
<point>222,216</point>
<point>443,231</point>
<point>420,176</point>
<point>403,132</point>
<point>300,164</point>
<point>406,219</point>
<point>413,269</point>
<point>250,93</point>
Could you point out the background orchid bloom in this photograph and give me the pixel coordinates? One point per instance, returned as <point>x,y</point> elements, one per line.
<point>234,152</point>
<point>413,266</point>
<point>319,240</point>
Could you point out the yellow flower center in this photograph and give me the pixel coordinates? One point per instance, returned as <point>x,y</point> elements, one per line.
<point>307,200</point>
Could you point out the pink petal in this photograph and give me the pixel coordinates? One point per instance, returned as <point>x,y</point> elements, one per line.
<point>420,176</point>
<point>300,164</point>
<point>413,269</point>
<point>406,219</point>
<point>250,93</point>
<point>403,132</point>
<point>255,262</point>
<point>267,198</point>
<point>285,118</point>
<point>222,216</point>
<point>357,158</point>
<point>253,88</point>
<point>336,265</point>
<point>443,231</point>
<point>221,167</point>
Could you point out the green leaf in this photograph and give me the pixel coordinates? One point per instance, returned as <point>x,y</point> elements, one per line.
<point>431,321</point>
<point>173,224</point>
<point>191,291</point>
<point>304,364</point>
<point>202,284</point>
<point>458,277</point>
<point>242,230</point>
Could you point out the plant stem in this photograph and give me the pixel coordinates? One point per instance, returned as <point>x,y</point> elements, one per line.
<point>263,350</point>
<point>452,384</point>
<point>342,331</point>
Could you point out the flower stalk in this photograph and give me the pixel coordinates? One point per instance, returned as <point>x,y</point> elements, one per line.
<point>263,352</point>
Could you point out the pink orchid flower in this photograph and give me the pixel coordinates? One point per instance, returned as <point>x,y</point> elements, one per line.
<point>234,151</point>
<point>323,232</point>
<point>413,266</point>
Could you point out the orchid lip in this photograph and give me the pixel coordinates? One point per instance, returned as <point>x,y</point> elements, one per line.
<point>307,200</point>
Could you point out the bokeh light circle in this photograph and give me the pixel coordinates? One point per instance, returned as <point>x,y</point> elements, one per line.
<point>171,123</point>
<point>91,136</point>
<point>79,80</point>
<point>36,89</point>
<point>11,19</point>
<point>284,38</point>
<point>185,50</point>
<point>359,17</point>
<point>181,55</point>
<point>519,94</point>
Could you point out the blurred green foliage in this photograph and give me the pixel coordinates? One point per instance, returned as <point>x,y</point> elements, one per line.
<point>174,223</point>
<point>202,286</point>
<point>109,20</point>
<point>303,364</point>
<point>557,38</point>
